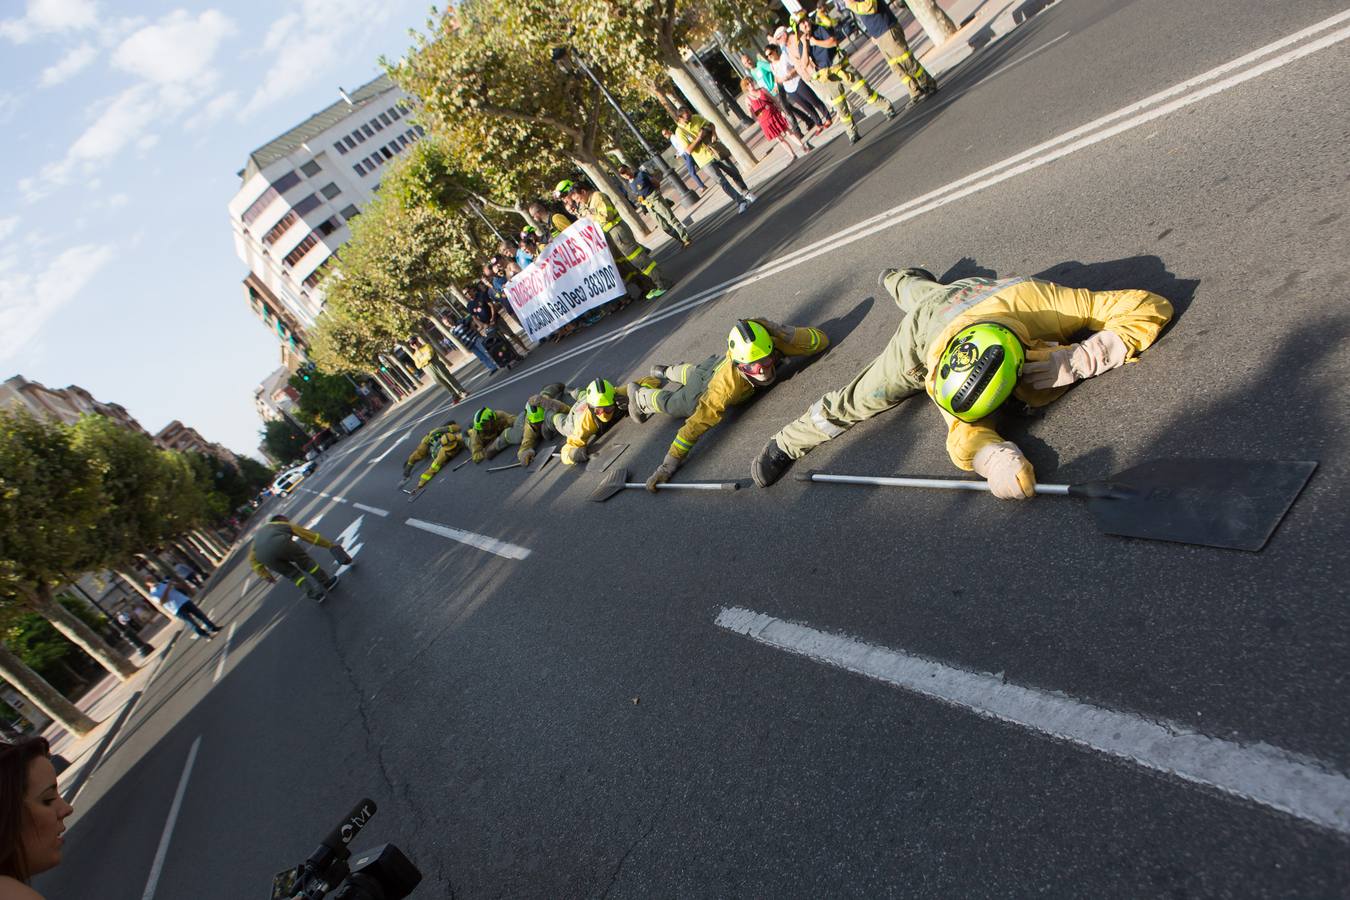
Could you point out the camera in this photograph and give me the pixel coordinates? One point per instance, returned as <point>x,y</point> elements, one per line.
<point>381,873</point>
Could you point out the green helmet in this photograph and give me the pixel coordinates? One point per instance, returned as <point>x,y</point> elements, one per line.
<point>978,371</point>
<point>564,188</point>
<point>600,393</point>
<point>749,341</point>
<point>533,414</point>
<point>483,418</point>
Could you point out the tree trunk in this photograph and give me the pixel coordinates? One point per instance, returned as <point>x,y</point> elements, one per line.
<point>136,586</point>
<point>214,541</point>
<point>42,695</point>
<point>164,564</point>
<point>707,108</point>
<point>192,553</point>
<point>80,634</point>
<point>935,23</point>
<point>604,183</point>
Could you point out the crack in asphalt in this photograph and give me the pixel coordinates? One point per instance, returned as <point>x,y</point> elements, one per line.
<point>651,826</point>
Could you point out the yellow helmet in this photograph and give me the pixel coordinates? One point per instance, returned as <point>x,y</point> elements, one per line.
<point>749,342</point>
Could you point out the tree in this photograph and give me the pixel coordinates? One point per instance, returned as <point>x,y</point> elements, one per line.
<point>52,502</point>
<point>487,81</point>
<point>325,400</point>
<point>647,38</point>
<point>283,440</point>
<point>933,20</point>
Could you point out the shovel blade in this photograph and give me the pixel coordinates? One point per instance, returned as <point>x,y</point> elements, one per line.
<point>1233,504</point>
<point>613,482</point>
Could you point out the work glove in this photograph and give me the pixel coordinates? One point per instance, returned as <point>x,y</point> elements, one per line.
<point>525,457</point>
<point>340,555</point>
<point>270,579</point>
<point>1009,474</point>
<point>478,456</point>
<point>669,466</point>
<point>577,455</point>
<point>1060,366</point>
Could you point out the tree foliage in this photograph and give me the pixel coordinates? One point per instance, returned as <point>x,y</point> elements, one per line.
<point>283,440</point>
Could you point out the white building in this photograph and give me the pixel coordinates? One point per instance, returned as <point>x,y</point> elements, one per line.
<point>298,192</point>
<point>275,398</point>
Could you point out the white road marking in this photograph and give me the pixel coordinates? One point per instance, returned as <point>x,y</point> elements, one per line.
<point>482,542</point>
<point>390,449</point>
<point>1017,62</point>
<point>243,588</point>
<point>224,653</point>
<point>978,181</point>
<point>372,509</point>
<point>162,853</point>
<point>1297,785</point>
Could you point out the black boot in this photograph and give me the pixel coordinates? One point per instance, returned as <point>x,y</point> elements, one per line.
<point>659,372</point>
<point>637,410</point>
<point>770,465</point>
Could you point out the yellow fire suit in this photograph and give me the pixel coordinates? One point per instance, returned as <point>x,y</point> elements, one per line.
<point>274,549</point>
<point>483,444</point>
<point>442,444</point>
<point>1040,313</point>
<point>716,384</point>
<point>578,423</point>
<point>633,260</point>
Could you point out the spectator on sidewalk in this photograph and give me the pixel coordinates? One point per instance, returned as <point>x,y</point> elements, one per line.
<point>761,74</point>
<point>176,603</point>
<point>688,160</point>
<point>496,276</point>
<point>645,192</point>
<point>483,316</point>
<point>770,117</point>
<point>551,221</point>
<point>188,574</point>
<point>467,332</point>
<point>697,135</point>
<point>32,815</point>
<point>797,94</point>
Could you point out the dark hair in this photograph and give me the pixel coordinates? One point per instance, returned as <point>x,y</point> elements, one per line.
<point>14,760</point>
<point>278,518</point>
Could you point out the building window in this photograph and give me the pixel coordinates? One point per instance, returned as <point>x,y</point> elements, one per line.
<point>306,205</point>
<point>300,250</point>
<point>369,132</point>
<point>330,190</point>
<point>420,130</point>
<point>384,117</point>
<point>349,212</point>
<point>279,229</point>
<point>342,151</point>
<point>349,143</point>
<point>328,226</point>
<point>373,161</point>
<point>360,138</point>
<point>387,154</point>
<point>402,141</point>
<point>393,111</point>
<point>311,169</point>
<point>379,126</point>
<point>359,168</point>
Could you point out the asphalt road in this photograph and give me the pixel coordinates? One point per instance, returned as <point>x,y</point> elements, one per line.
<point>561,715</point>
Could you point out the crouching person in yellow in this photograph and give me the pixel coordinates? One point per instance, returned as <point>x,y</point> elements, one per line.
<point>599,405</point>
<point>487,437</point>
<point>441,444</point>
<point>703,391</point>
<point>970,345</point>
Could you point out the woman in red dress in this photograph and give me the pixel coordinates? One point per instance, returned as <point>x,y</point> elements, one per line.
<point>770,117</point>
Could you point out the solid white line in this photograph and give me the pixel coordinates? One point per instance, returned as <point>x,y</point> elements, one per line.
<point>372,509</point>
<point>340,499</point>
<point>1017,62</point>
<point>243,588</point>
<point>970,184</point>
<point>158,865</point>
<point>224,653</point>
<point>482,542</point>
<point>1258,772</point>
<point>389,449</point>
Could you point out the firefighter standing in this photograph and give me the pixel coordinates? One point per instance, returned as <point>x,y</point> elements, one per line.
<point>274,550</point>
<point>883,29</point>
<point>833,71</point>
<point>622,243</point>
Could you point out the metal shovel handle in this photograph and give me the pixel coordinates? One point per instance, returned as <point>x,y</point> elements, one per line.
<point>688,485</point>
<point>943,484</point>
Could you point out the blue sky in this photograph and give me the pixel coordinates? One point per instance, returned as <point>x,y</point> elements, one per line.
<point>125,125</point>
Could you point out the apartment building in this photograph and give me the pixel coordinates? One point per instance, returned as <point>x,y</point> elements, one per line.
<point>64,404</point>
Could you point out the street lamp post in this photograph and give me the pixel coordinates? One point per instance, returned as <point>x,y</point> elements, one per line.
<point>565,58</point>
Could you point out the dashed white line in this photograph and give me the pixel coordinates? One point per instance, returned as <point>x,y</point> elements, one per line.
<point>162,853</point>
<point>1299,786</point>
<point>482,542</point>
<point>224,653</point>
<point>372,509</point>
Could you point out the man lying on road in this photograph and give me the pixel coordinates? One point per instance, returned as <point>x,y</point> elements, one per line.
<point>971,345</point>
<point>599,405</point>
<point>441,444</point>
<point>705,390</point>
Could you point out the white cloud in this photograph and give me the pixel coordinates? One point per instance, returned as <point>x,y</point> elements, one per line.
<point>69,65</point>
<point>28,299</point>
<point>147,142</point>
<point>314,38</point>
<point>177,49</point>
<point>50,17</point>
<point>213,111</point>
<point>7,226</point>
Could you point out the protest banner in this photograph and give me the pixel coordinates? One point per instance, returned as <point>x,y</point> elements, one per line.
<point>575,274</point>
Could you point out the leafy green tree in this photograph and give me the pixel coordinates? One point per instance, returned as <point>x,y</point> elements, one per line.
<point>488,84</point>
<point>325,400</point>
<point>283,440</point>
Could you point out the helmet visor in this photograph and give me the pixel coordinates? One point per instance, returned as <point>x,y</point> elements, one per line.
<point>761,371</point>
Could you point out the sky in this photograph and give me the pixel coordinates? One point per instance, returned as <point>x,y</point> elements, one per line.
<point>125,126</point>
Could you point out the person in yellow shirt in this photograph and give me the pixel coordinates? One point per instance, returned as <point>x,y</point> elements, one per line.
<point>695,135</point>
<point>971,345</point>
<point>642,269</point>
<point>703,391</point>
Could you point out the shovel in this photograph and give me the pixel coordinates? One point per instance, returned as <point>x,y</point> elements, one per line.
<point>1234,504</point>
<point>617,480</point>
<point>462,464</point>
